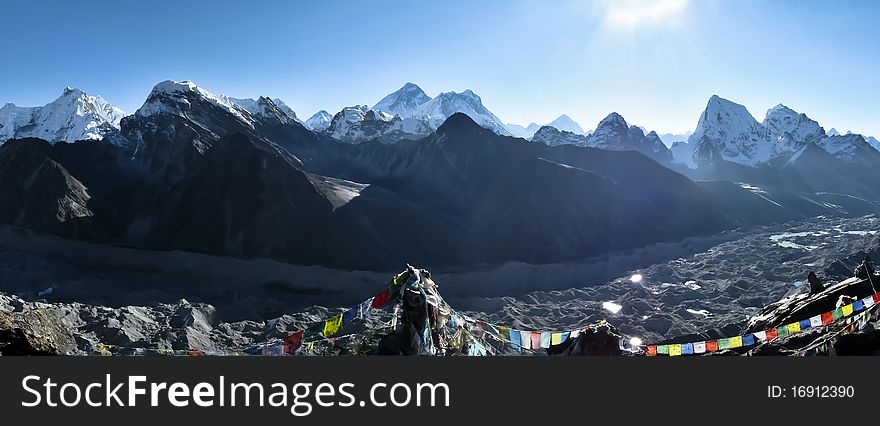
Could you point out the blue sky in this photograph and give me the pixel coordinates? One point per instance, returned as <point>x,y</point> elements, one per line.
<point>655,62</point>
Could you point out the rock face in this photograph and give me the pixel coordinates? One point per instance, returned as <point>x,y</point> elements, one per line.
<point>38,192</point>
<point>34,332</point>
<point>551,136</point>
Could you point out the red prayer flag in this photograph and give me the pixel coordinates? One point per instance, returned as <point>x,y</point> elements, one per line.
<point>827,318</point>
<point>772,334</point>
<point>292,343</point>
<point>536,340</point>
<point>652,350</point>
<point>382,298</point>
<point>712,346</point>
<point>877,297</point>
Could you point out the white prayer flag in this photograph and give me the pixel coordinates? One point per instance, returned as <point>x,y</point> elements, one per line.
<point>699,347</point>
<point>816,321</point>
<point>526,339</point>
<point>575,334</point>
<point>761,335</point>
<point>868,301</point>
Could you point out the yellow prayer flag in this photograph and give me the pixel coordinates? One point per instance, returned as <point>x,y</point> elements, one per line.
<point>848,310</point>
<point>332,325</point>
<point>794,327</point>
<point>556,339</point>
<point>674,350</point>
<point>736,342</point>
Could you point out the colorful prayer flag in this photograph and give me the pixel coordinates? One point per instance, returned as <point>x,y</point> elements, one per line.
<point>700,347</point>
<point>293,342</point>
<point>827,318</point>
<point>877,297</point>
<point>674,350</point>
<point>575,333</point>
<point>564,337</point>
<point>687,348</point>
<point>525,339</point>
<point>816,321</point>
<point>736,342</point>
<point>858,306</point>
<point>382,298</point>
<point>771,334</point>
<point>504,333</point>
<point>748,339</point>
<point>805,324</point>
<point>663,349</point>
<point>332,325</point>
<point>847,310</point>
<point>349,315</point>
<point>515,338</point>
<point>652,350</point>
<point>837,314</point>
<point>536,340</point>
<point>365,308</point>
<point>868,302</point>
<point>783,331</point>
<point>723,344</point>
<point>712,346</point>
<point>546,339</point>
<point>556,339</point>
<point>313,330</point>
<point>793,327</point>
<point>761,335</point>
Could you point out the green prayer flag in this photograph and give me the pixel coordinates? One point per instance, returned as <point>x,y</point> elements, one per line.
<point>313,330</point>
<point>783,331</point>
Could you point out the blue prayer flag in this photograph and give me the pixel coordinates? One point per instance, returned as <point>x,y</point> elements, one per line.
<point>515,338</point>
<point>748,339</point>
<point>349,315</point>
<point>687,348</point>
<point>805,324</point>
<point>858,306</point>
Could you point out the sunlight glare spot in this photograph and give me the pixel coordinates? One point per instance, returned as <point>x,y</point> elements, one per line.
<point>629,13</point>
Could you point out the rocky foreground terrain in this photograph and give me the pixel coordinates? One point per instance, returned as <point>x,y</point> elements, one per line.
<point>718,287</point>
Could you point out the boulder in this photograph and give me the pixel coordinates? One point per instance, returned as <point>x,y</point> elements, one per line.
<point>34,332</point>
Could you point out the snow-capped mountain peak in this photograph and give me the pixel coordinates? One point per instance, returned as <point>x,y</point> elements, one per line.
<point>565,123</point>
<point>320,121</point>
<point>264,109</point>
<point>732,131</point>
<point>552,136</point>
<point>287,110</point>
<point>405,102</point>
<point>175,98</point>
<point>781,119</point>
<point>73,116</point>
<point>446,104</point>
<point>361,123</point>
<point>612,133</point>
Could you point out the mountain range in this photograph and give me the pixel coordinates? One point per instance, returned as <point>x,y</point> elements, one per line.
<point>563,123</point>
<point>434,181</point>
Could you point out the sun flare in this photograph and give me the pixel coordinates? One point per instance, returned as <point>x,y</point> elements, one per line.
<point>630,13</point>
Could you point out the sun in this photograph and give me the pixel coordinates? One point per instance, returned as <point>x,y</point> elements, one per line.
<point>632,13</point>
